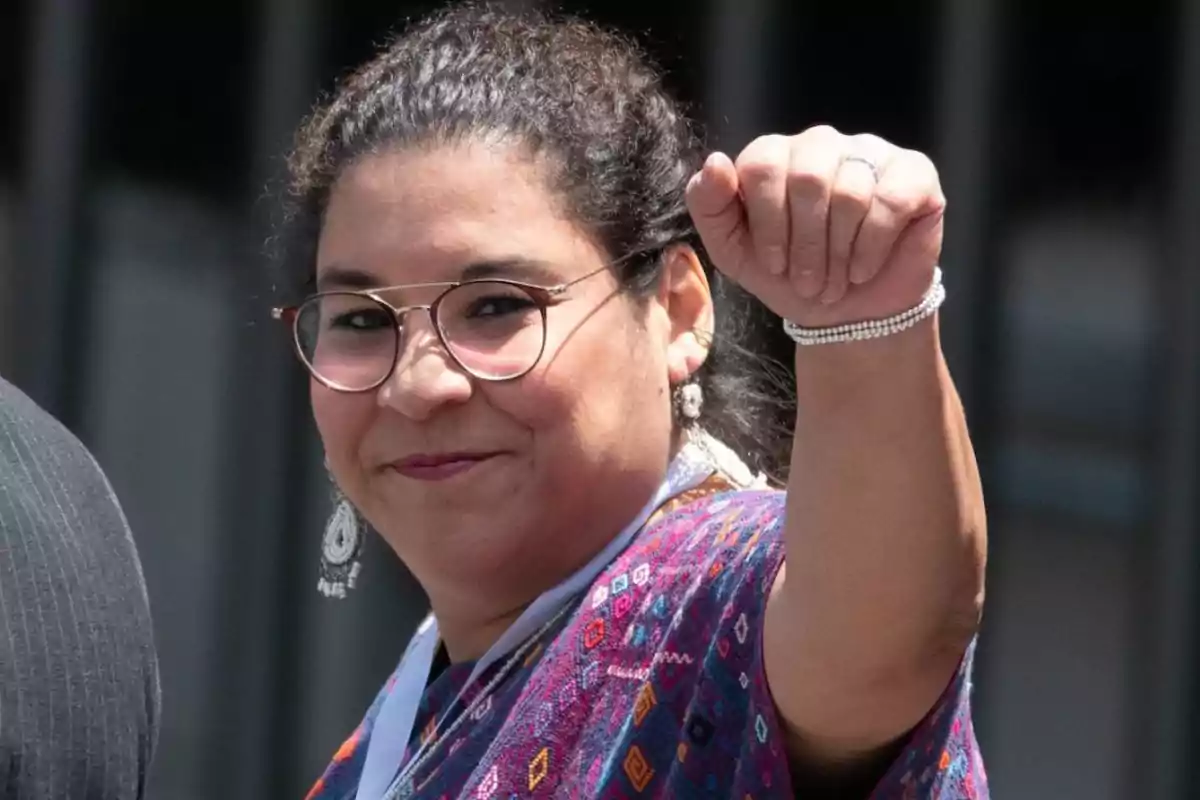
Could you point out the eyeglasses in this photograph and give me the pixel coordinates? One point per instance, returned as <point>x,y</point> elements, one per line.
<point>494,329</point>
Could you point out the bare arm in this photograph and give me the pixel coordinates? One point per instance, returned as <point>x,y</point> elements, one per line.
<point>885,533</point>
<point>885,546</point>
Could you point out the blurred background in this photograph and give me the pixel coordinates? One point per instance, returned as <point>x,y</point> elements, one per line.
<point>136,142</point>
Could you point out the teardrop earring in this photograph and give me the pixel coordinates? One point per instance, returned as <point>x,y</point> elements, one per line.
<point>341,548</point>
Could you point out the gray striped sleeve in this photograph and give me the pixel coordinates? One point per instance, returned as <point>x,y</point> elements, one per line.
<point>79,692</point>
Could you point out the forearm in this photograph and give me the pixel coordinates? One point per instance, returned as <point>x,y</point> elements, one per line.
<point>886,528</point>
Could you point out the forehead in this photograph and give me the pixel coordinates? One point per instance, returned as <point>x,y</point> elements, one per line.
<point>428,214</point>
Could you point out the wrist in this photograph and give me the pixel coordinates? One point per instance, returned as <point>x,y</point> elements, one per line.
<point>883,370</point>
<point>874,328</point>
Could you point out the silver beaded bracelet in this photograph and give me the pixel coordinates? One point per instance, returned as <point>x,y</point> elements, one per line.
<point>874,328</point>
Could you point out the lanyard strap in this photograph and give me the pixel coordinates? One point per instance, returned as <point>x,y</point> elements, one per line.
<point>393,726</point>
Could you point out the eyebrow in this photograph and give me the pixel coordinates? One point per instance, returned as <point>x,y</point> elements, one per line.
<point>335,277</point>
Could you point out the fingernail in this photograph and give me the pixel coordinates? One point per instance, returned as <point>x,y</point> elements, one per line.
<point>859,275</point>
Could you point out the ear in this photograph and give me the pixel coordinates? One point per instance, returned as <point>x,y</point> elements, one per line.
<point>686,298</point>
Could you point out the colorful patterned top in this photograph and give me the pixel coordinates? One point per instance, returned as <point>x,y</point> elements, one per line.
<point>654,686</point>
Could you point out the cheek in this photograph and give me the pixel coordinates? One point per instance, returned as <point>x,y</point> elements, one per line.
<point>342,421</point>
<point>539,403</point>
<point>595,392</point>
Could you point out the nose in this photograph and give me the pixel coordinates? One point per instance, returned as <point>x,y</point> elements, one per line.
<point>426,378</point>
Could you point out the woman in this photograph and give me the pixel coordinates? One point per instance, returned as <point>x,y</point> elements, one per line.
<point>523,384</point>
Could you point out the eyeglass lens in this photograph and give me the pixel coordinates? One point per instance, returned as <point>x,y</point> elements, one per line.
<point>350,341</point>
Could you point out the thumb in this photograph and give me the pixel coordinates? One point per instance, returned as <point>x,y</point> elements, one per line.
<point>714,201</point>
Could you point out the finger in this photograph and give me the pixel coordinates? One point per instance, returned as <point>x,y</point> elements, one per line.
<point>908,189</point>
<point>716,208</point>
<point>762,175</point>
<point>813,166</point>
<point>849,201</point>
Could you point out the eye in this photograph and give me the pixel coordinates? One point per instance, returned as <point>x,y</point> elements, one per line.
<point>361,319</point>
<point>497,305</point>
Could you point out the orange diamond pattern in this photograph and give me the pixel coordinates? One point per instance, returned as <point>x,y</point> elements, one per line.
<point>594,633</point>
<point>539,767</point>
<point>637,768</point>
<point>645,702</point>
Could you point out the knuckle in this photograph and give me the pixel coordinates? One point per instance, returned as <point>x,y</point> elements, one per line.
<point>823,132</point>
<point>901,202</point>
<point>920,163</point>
<point>763,159</point>
<point>853,198</point>
<point>925,174</point>
<point>871,143</point>
<point>807,181</point>
<point>934,203</point>
<point>760,173</point>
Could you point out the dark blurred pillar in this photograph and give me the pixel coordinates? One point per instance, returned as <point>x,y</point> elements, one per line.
<point>264,474</point>
<point>739,71</point>
<point>49,280</point>
<point>966,107</point>
<point>1165,693</point>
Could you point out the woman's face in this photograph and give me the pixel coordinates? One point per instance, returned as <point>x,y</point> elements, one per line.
<point>543,469</point>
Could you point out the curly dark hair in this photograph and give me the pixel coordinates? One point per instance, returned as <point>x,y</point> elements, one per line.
<point>589,104</point>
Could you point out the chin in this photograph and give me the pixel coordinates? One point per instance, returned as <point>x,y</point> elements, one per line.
<point>493,557</point>
<point>441,520</point>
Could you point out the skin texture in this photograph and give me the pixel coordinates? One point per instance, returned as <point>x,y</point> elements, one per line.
<point>885,530</point>
<point>584,439</point>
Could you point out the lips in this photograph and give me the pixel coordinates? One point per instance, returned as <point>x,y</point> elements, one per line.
<point>440,466</point>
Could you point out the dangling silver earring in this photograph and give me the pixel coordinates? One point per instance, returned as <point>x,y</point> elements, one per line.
<point>341,547</point>
<point>688,399</point>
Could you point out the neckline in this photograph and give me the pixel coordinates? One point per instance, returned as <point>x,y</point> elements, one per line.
<point>713,485</point>
<point>385,771</point>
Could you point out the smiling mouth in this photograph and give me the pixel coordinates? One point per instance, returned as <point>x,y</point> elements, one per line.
<point>439,467</point>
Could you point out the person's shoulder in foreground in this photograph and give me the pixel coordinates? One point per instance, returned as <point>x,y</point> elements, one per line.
<point>79,690</point>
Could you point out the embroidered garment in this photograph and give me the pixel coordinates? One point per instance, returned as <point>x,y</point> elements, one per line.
<point>654,686</point>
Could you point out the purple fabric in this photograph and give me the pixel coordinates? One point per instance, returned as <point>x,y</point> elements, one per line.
<point>654,687</point>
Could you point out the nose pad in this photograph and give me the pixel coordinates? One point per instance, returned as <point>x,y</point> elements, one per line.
<point>416,332</point>
<point>425,377</point>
